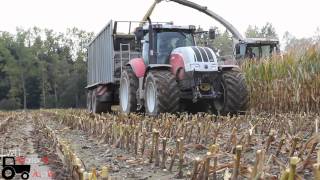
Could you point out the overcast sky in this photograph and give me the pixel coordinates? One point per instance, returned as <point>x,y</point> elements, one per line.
<point>300,18</point>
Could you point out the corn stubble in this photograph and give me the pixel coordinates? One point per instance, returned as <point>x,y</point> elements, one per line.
<point>259,146</point>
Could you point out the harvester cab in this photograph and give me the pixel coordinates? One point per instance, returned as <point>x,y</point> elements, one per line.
<point>257,48</point>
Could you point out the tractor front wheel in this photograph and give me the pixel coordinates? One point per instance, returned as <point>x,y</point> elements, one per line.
<point>25,175</point>
<point>234,98</point>
<point>162,93</point>
<point>128,89</point>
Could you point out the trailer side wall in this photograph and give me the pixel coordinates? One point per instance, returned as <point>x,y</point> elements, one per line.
<point>100,58</point>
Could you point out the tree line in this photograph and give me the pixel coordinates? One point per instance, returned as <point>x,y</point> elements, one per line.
<point>43,68</point>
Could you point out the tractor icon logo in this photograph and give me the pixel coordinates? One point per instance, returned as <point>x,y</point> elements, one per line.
<point>10,169</point>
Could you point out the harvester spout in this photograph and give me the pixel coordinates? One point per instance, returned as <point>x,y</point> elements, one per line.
<point>149,12</point>
<point>236,34</point>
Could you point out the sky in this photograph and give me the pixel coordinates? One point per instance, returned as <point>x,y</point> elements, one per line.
<point>300,18</point>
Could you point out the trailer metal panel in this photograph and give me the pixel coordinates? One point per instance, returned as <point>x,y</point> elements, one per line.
<point>100,57</point>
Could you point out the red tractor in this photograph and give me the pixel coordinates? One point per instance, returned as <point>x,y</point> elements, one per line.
<point>174,74</point>
<point>159,68</point>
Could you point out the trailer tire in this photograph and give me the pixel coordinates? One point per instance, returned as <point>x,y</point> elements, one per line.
<point>162,93</point>
<point>99,107</point>
<point>235,94</point>
<point>128,91</point>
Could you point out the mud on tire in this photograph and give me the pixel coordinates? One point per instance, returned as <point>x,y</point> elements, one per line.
<point>235,97</point>
<point>162,93</point>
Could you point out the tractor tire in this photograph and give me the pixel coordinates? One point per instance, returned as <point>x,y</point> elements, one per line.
<point>162,93</point>
<point>6,170</point>
<point>99,107</point>
<point>128,91</point>
<point>89,101</point>
<point>235,94</point>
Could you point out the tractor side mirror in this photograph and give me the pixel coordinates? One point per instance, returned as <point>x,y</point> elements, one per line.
<point>212,33</point>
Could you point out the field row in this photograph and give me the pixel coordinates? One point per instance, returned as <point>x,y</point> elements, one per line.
<point>201,146</point>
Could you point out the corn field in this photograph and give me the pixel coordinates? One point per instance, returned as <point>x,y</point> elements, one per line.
<point>286,84</point>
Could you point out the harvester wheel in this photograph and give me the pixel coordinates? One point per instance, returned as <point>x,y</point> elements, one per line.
<point>162,93</point>
<point>128,89</point>
<point>99,107</point>
<point>235,96</point>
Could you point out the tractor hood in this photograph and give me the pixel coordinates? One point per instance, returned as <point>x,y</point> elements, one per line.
<point>195,58</point>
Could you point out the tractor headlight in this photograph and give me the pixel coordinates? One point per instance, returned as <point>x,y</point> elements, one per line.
<point>194,66</point>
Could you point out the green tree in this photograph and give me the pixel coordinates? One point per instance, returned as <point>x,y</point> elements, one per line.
<point>267,31</point>
<point>252,32</point>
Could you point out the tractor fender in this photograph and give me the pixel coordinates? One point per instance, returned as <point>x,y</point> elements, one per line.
<point>156,66</point>
<point>177,63</point>
<point>138,67</point>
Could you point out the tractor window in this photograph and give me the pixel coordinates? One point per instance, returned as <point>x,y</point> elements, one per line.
<point>259,51</point>
<point>9,161</point>
<point>168,41</point>
<point>266,51</point>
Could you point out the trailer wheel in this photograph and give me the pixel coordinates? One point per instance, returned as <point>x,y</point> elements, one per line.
<point>25,175</point>
<point>162,92</point>
<point>128,89</point>
<point>8,173</point>
<point>99,107</point>
<point>235,98</point>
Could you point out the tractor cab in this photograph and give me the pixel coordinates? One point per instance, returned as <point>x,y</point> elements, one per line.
<point>257,48</point>
<point>159,40</point>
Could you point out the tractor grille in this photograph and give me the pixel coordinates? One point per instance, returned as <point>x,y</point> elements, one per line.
<point>203,54</point>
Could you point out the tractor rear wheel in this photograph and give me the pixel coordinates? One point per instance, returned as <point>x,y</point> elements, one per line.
<point>162,92</point>
<point>8,173</point>
<point>128,91</point>
<point>235,96</point>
